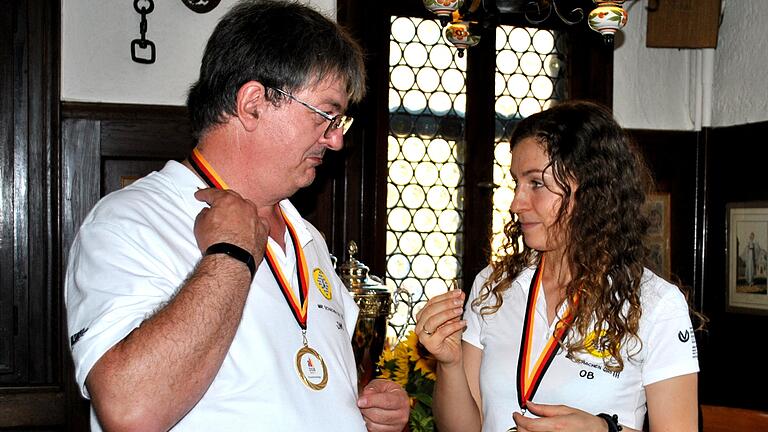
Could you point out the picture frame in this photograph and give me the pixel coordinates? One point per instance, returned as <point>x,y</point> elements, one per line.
<point>747,257</point>
<point>658,209</point>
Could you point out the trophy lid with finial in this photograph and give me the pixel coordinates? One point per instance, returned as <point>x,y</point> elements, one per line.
<point>355,274</point>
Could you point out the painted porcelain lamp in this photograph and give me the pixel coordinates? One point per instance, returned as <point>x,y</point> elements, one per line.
<point>607,18</point>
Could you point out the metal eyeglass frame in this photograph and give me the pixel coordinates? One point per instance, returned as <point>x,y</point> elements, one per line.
<point>338,121</point>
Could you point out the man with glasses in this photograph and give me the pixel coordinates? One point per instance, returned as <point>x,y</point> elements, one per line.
<point>197,297</point>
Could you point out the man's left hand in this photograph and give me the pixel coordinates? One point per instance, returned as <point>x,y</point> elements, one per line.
<point>384,405</point>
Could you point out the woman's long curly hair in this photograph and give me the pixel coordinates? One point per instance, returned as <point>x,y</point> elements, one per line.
<point>604,228</point>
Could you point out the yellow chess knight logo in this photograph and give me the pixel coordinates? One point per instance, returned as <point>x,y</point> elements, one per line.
<point>322,283</point>
<point>597,344</point>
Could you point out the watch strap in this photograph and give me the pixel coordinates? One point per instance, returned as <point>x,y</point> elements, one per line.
<point>235,252</point>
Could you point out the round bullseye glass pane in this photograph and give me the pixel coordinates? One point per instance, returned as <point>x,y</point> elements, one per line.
<point>400,172</point>
<point>415,55</point>
<point>399,219</point>
<point>410,243</point>
<point>543,42</point>
<point>530,63</point>
<point>453,81</point>
<point>395,53</point>
<point>448,267</point>
<point>450,174</point>
<point>398,266</point>
<point>402,78</point>
<point>439,150</point>
<point>414,102</point>
<point>424,220</point>
<point>393,195</point>
<point>440,104</point>
<point>519,39</point>
<point>542,87</point>
<point>413,149</point>
<point>529,106</point>
<point>391,242</point>
<point>403,29</point>
<point>506,62</point>
<point>506,107</point>
<point>428,80</point>
<point>423,266</point>
<point>394,100</point>
<point>429,32</point>
<point>438,197</point>
<point>440,56</point>
<point>436,244</point>
<point>449,221</point>
<point>426,174</point>
<point>413,196</point>
<point>435,287</point>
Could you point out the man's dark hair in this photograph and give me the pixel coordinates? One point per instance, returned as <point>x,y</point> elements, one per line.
<point>281,44</point>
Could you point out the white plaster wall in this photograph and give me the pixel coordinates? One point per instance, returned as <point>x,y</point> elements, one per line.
<point>654,88</point>
<point>740,89</point>
<point>650,85</point>
<point>96,37</point>
<point>685,89</point>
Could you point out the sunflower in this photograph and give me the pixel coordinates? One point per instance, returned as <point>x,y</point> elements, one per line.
<point>411,366</point>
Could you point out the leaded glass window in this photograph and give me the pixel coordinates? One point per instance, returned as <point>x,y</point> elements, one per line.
<point>426,148</point>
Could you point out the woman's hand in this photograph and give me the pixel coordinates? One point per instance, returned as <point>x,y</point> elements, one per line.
<point>559,418</point>
<point>439,326</point>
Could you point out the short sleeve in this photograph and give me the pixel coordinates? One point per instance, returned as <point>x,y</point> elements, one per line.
<point>669,344</point>
<point>472,334</point>
<point>112,285</point>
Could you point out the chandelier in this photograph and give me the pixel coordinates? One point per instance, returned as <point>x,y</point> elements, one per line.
<point>463,19</point>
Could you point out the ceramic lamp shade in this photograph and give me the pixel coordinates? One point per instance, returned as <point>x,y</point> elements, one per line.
<point>443,8</point>
<point>458,33</point>
<point>607,18</point>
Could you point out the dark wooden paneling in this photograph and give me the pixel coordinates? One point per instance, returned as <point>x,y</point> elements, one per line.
<point>26,407</point>
<point>360,194</point>
<point>735,172</point>
<point>7,307</point>
<point>672,158</point>
<point>31,316</point>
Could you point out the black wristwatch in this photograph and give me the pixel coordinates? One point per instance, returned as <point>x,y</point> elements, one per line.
<point>235,252</point>
<point>612,420</point>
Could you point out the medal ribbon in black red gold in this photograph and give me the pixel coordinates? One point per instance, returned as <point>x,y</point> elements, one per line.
<point>206,171</point>
<point>529,375</point>
<point>298,305</point>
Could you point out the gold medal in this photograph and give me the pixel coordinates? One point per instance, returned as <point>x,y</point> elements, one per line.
<point>311,368</point>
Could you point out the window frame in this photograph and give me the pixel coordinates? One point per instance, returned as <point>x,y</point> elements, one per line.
<point>357,190</point>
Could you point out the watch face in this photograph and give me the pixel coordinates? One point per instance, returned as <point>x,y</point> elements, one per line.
<point>201,6</point>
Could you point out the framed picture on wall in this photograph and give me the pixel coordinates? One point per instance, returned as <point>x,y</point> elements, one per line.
<point>657,207</point>
<point>747,257</point>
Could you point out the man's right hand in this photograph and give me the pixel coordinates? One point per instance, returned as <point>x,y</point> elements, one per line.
<point>232,219</point>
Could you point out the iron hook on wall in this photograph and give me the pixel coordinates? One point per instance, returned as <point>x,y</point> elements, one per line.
<point>144,8</point>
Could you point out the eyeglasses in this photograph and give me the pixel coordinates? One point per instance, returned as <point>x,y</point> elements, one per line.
<point>336,122</point>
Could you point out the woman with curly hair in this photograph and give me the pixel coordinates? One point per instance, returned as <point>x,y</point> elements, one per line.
<point>567,331</point>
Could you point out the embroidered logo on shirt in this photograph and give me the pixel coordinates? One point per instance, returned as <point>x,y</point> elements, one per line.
<point>322,283</point>
<point>597,345</point>
<point>684,336</point>
<point>76,337</point>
